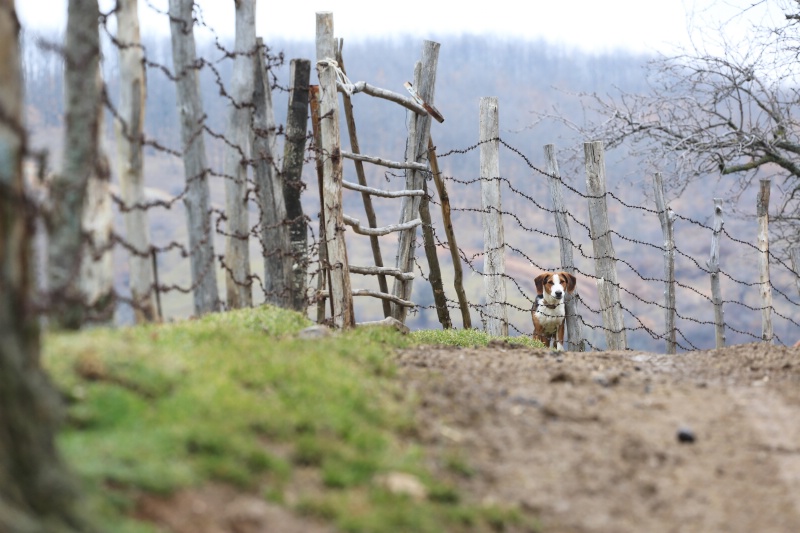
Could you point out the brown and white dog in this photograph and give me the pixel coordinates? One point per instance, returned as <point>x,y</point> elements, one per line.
<point>548,309</point>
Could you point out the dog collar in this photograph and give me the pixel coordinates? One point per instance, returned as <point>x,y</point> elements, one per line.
<point>540,301</point>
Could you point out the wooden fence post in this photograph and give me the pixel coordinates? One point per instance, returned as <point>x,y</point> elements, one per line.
<point>604,256</point>
<point>667,218</point>
<point>369,210</point>
<point>324,275</point>
<point>575,341</point>
<point>713,267</point>
<point>293,158</point>
<point>419,127</point>
<point>68,189</point>
<point>494,263</point>
<point>340,290</point>
<point>238,284</point>
<point>97,269</point>
<point>275,245</point>
<point>198,214</point>
<point>765,289</point>
<point>130,160</point>
<point>458,273</point>
<point>795,253</point>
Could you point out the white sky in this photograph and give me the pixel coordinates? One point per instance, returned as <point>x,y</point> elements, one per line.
<point>591,25</point>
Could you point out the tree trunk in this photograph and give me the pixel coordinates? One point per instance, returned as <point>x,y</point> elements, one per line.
<point>129,129</point>
<point>36,492</point>
<point>294,151</point>
<point>238,281</point>
<point>198,214</point>
<point>68,189</point>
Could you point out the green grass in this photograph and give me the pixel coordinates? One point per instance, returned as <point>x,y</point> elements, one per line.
<point>238,398</point>
<point>467,338</point>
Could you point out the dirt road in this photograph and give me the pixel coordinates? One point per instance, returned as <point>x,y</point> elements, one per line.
<point>618,441</point>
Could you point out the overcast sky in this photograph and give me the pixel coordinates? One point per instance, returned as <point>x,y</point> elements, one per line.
<point>591,25</point>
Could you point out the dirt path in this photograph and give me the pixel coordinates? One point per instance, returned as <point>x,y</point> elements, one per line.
<point>619,441</point>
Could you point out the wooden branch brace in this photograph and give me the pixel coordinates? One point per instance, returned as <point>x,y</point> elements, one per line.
<point>430,108</point>
<point>385,163</point>
<point>374,294</point>
<point>379,192</point>
<point>385,230</point>
<point>376,271</point>
<point>366,88</point>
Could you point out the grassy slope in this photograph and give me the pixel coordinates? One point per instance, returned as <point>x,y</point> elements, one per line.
<point>163,407</point>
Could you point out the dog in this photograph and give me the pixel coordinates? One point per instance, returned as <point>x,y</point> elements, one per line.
<point>548,308</point>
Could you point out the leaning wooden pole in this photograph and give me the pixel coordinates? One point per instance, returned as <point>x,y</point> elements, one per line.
<point>294,152</point>
<point>275,245</point>
<point>458,271</point>
<point>604,256</point>
<point>419,127</point>
<point>129,127</point>
<point>362,180</point>
<point>713,269</point>
<point>574,335</point>
<point>667,218</point>
<point>68,189</point>
<point>198,204</point>
<point>340,290</point>
<point>494,262</point>
<point>765,288</point>
<point>795,254</point>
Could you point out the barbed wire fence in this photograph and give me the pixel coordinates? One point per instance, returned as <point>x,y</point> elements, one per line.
<point>642,306</point>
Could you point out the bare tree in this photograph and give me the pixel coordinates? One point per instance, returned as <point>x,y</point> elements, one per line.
<point>728,110</point>
<point>36,492</point>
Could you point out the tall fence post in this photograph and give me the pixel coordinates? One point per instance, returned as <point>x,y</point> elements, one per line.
<point>713,268</point>
<point>667,218</point>
<point>416,151</point>
<point>340,290</point>
<point>494,263</point>
<point>237,241</point>
<point>269,184</point>
<point>604,256</point>
<point>293,159</point>
<point>66,241</point>
<point>765,289</point>
<point>795,253</point>
<point>197,199</point>
<point>130,160</point>
<point>575,341</point>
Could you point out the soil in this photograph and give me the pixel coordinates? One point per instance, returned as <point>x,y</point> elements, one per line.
<point>614,442</point>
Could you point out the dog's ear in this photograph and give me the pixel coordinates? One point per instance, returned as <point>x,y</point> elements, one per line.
<point>539,281</point>
<point>572,281</point>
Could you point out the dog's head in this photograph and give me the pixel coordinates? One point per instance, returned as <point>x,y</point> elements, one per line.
<point>554,285</point>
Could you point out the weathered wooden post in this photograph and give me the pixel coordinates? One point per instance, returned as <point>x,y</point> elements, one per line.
<point>575,341</point>
<point>68,189</point>
<point>713,268</point>
<point>238,283</point>
<point>452,244</point>
<point>494,262</point>
<point>795,253</point>
<point>97,270</point>
<point>198,214</point>
<point>293,158</point>
<point>130,160</point>
<point>765,289</point>
<point>270,188</point>
<point>604,256</point>
<point>340,291</point>
<point>667,218</point>
<point>419,127</point>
